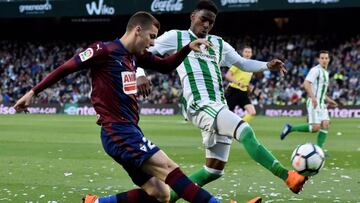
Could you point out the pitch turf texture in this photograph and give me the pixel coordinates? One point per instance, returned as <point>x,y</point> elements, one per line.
<point>60,159</point>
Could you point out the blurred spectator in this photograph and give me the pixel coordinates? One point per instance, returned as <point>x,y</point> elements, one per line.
<point>23,64</point>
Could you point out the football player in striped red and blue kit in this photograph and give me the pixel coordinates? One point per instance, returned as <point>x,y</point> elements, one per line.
<point>112,68</point>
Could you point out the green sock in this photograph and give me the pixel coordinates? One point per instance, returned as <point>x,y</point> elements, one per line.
<point>300,128</point>
<point>321,137</point>
<point>201,177</point>
<point>260,154</point>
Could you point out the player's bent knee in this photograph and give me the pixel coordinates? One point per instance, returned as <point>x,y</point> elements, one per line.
<point>159,165</point>
<point>168,166</point>
<point>171,165</point>
<point>325,125</point>
<point>315,128</point>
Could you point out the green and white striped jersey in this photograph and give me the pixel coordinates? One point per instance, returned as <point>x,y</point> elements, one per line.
<point>319,78</point>
<point>200,72</point>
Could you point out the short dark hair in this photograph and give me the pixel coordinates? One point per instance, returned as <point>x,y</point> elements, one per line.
<point>207,5</point>
<point>142,18</point>
<point>246,47</point>
<point>324,52</point>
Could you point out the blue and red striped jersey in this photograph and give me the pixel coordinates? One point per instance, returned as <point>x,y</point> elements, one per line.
<point>112,70</point>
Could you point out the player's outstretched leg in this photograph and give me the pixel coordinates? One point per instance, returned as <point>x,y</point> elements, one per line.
<point>201,177</point>
<point>189,191</point>
<point>294,128</point>
<point>322,137</point>
<point>285,131</point>
<point>244,134</point>
<point>135,195</point>
<point>260,154</point>
<point>161,166</point>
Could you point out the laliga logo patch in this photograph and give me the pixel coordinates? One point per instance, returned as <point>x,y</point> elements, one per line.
<point>129,82</point>
<point>85,55</point>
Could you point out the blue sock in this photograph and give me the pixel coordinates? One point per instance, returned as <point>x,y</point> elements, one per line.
<point>214,200</point>
<point>133,196</point>
<point>107,199</point>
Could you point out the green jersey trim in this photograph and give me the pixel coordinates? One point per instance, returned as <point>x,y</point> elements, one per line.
<point>189,71</point>
<point>322,103</point>
<point>218,74</point>
<point>206,75</point>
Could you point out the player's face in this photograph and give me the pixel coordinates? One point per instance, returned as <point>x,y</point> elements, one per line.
<point>324,60</point>
<point>202,22</point>
<point>146,38</point>
<point>247,53</point>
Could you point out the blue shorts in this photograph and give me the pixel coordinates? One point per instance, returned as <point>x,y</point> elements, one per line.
<point>126,144</point>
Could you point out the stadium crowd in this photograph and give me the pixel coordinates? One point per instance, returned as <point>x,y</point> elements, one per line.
<point>23,64</point>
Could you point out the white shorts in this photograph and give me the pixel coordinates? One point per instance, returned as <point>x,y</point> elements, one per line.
<point>205,118</point>
<point>317,115</point>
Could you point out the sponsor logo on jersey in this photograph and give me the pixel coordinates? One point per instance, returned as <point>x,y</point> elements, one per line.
<point>205,56</point>
<point>100,9</point>
<point>87,54</point>
<point>166,5</point>
<point>129,82</point>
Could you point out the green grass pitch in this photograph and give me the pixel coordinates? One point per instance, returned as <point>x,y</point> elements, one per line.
<point>59,158</point>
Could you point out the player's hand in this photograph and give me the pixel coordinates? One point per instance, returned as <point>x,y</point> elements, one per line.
<point>314,102</point>
<point>22,104</point>
<point>277,65</point>
<point>195,45</point>
<point>143,85</point>
<point>333,104</point>
<point>241,85</point>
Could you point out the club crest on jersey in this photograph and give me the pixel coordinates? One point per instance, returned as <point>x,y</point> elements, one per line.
<point>85,55</point>
<point>129,82</point>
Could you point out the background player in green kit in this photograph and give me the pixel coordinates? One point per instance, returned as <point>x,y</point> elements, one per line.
<point>315,84</point>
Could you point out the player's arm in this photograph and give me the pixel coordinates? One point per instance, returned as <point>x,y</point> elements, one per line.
<point>68,67</point>
<point>309,80</point>
<point>309,92</point>
<point>143,83</point>
<point>76,63</point>
<point>171,62</point>
<point>231,57</point>
<point>332,103</point>
<point>164,44</point>
<point>230,76</point>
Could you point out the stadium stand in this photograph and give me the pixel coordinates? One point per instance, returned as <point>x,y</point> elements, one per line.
<point>23,64</point>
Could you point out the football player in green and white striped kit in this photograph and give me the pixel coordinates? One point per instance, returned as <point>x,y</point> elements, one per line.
<point>315,84</point>
<point>204,102</point>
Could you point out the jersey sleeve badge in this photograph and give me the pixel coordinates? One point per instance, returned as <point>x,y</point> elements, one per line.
<point>86,55</point>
